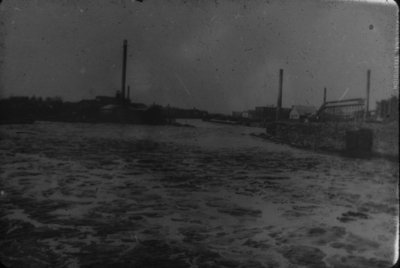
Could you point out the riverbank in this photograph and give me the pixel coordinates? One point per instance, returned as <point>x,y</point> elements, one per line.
<point>331,137</point>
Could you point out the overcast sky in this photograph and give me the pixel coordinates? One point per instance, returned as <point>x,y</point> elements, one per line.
<point>219,55</point>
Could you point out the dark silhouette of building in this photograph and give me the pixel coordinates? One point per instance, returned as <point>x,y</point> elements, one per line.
<point>387,110</point>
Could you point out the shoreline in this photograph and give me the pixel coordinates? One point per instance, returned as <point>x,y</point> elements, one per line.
<point>343,153</point>
<point>361,140</point>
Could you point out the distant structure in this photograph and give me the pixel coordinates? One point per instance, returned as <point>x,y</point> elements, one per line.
<point>356,109</point>
<point>366,107</point>
<point>387,110</point>
<point>279,102</point>
<point>302,112</point>
<point>16,110</point>
<point>113,109</point>
<point>124,57</point>
<point>237,114</point>
<point>261,114</point>
<point>105,100</point>
<point>342,110</point>
<point>266,113</point>
<point>174,112</point>
<point>121,109</point>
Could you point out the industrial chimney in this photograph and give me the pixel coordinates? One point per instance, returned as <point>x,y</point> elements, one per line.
<point>125,46</point>
<point>324,95</point>
<point>367,95</point>
<point>279,104</point>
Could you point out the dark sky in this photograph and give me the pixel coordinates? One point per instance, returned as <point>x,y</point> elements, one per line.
<point>220,55</point>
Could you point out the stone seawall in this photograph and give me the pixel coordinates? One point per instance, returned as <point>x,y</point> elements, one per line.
<point>332,136</point>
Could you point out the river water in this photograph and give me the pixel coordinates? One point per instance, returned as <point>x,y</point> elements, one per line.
<point>109,195</point>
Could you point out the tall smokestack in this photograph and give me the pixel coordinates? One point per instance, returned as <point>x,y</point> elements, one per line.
<point>367,95</point>
<point>128,97</point>
<point>279,104</point>
<point>324,95</point>
<point>124,69</point>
